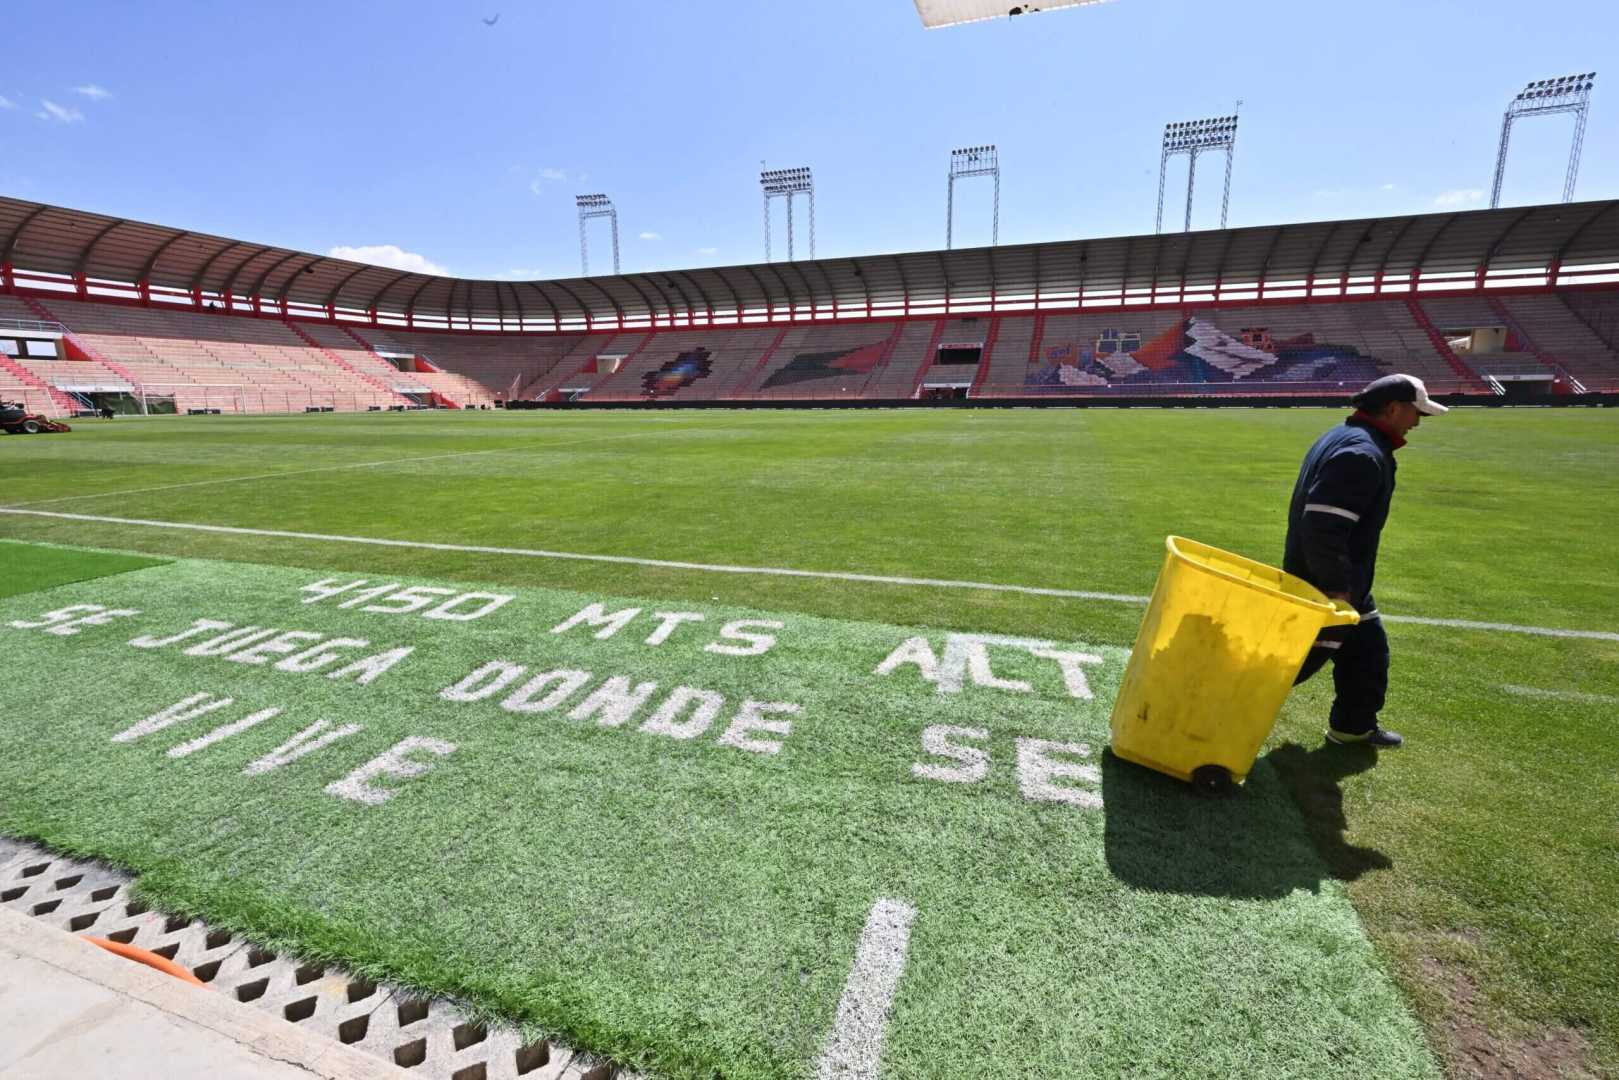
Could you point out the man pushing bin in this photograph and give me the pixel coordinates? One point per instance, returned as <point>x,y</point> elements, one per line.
<point>1339,507</point>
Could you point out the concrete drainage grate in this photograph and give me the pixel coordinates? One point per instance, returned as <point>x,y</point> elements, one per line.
<point>431,1038</point>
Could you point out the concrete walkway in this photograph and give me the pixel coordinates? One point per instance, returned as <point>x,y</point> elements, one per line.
<point>68,1009</point>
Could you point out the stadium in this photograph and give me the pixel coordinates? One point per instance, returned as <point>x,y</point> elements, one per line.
<point>1513,303</point>
<point>710,669</point>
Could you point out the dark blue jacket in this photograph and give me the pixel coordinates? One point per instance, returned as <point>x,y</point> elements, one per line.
<point>1339,506</point>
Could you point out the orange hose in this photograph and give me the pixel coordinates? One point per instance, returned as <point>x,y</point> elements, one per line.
<point>150,959</point>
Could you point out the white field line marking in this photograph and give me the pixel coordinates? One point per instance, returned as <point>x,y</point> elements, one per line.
<point>854,1050</point>
<point>764,571</point>
<point>1563,695</point>
<point>1505,628</point>
<point>334,468</point>
<point>537,553</point>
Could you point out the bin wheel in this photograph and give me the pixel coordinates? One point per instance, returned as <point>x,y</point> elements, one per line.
<point>1211,780</point>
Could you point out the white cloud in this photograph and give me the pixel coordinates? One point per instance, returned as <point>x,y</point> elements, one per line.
<point>552,176</point>
<point>65,114</point>
<point>520,273</point>
<point>1389,187</point>
<point>651,236</point>
<point>93,92</point>
<point>708,251</point>
<point>7,103</point>
<point>1458,197</point>
<point>390,255</point>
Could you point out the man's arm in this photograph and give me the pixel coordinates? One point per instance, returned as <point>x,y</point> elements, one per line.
<point>1342,492</point>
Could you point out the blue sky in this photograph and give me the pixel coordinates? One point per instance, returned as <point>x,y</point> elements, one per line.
<point>413,124</point>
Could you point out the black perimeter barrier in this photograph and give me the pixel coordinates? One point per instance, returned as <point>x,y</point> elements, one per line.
<point>1224,401</point>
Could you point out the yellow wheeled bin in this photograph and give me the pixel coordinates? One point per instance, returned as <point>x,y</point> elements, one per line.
<point>1221,643</point>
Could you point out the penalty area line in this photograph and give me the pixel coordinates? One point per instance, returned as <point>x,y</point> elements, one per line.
<point>761,571</point>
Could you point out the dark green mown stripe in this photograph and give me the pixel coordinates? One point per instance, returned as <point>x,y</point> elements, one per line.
<point>26,568</point>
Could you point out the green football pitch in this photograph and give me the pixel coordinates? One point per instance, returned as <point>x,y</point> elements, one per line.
<point>773,744</point>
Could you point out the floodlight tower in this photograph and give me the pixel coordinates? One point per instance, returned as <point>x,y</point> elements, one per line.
<point>785,183</point>
<point>973,161</point>
<point>1191,138</point>
<point>595,206</point>
<point>1571,93</point>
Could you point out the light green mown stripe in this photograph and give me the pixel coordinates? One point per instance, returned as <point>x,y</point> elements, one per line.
<point>26,568</point>
<point>686,905</point>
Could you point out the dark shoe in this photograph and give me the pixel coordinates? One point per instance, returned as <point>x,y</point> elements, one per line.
<point>1378,737</point>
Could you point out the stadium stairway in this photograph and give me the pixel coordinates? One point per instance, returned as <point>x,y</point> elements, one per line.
<point>1007,364</point>
<point>215,360</point>
<point>77,349</point>
<point>733,356</point>
<point>448,387</point>
<point>483,366</point>
<point>896,374</point>
<point>31,391</point>
<point>990,340</point>
<point>1459,368</point>
<point>786,377</point>
<point>334,357</point>
<point>1561,333</point>
<point>747,369</point>
<point>652,353</point>
<point>578,368</point>
<point>1564,382</point>
<point>1516,361</point>
<point>959,329</point>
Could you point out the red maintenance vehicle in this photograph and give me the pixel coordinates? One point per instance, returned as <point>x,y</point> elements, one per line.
<point>15,419</point>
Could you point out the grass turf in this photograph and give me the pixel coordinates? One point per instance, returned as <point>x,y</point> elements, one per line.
<point>1484,851</point>
<point>686,905</point>
<point>33,567</point>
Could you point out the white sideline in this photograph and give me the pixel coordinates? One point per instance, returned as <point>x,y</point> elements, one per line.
<point>766,571</point>
<point>854,1049</point>
<point>1505,627</point>
<point>1562,695</point>
<point>538,553</point>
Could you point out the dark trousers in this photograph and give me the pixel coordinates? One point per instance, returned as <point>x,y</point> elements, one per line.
<point>1360,673</point>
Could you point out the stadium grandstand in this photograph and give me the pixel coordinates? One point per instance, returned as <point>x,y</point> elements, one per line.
<point>1517,303</point>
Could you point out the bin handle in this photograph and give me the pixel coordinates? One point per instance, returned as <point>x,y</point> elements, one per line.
<point>1342,614</point>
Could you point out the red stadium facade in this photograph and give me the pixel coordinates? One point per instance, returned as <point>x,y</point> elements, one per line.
<point>1505,304</point>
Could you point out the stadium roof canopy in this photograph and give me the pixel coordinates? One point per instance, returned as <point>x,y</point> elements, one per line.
<point>937,13</point>
<point>54,248</point>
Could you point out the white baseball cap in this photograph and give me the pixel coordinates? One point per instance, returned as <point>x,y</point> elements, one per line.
<point>1398,388</point>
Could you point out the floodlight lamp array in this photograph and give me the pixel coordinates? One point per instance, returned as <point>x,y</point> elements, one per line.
<point>1199,134</point>
<point>975,161</point>
<point>785,181</point>
<point>1552,88</point>
<point>597,201</point>
<point>972,155</point>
